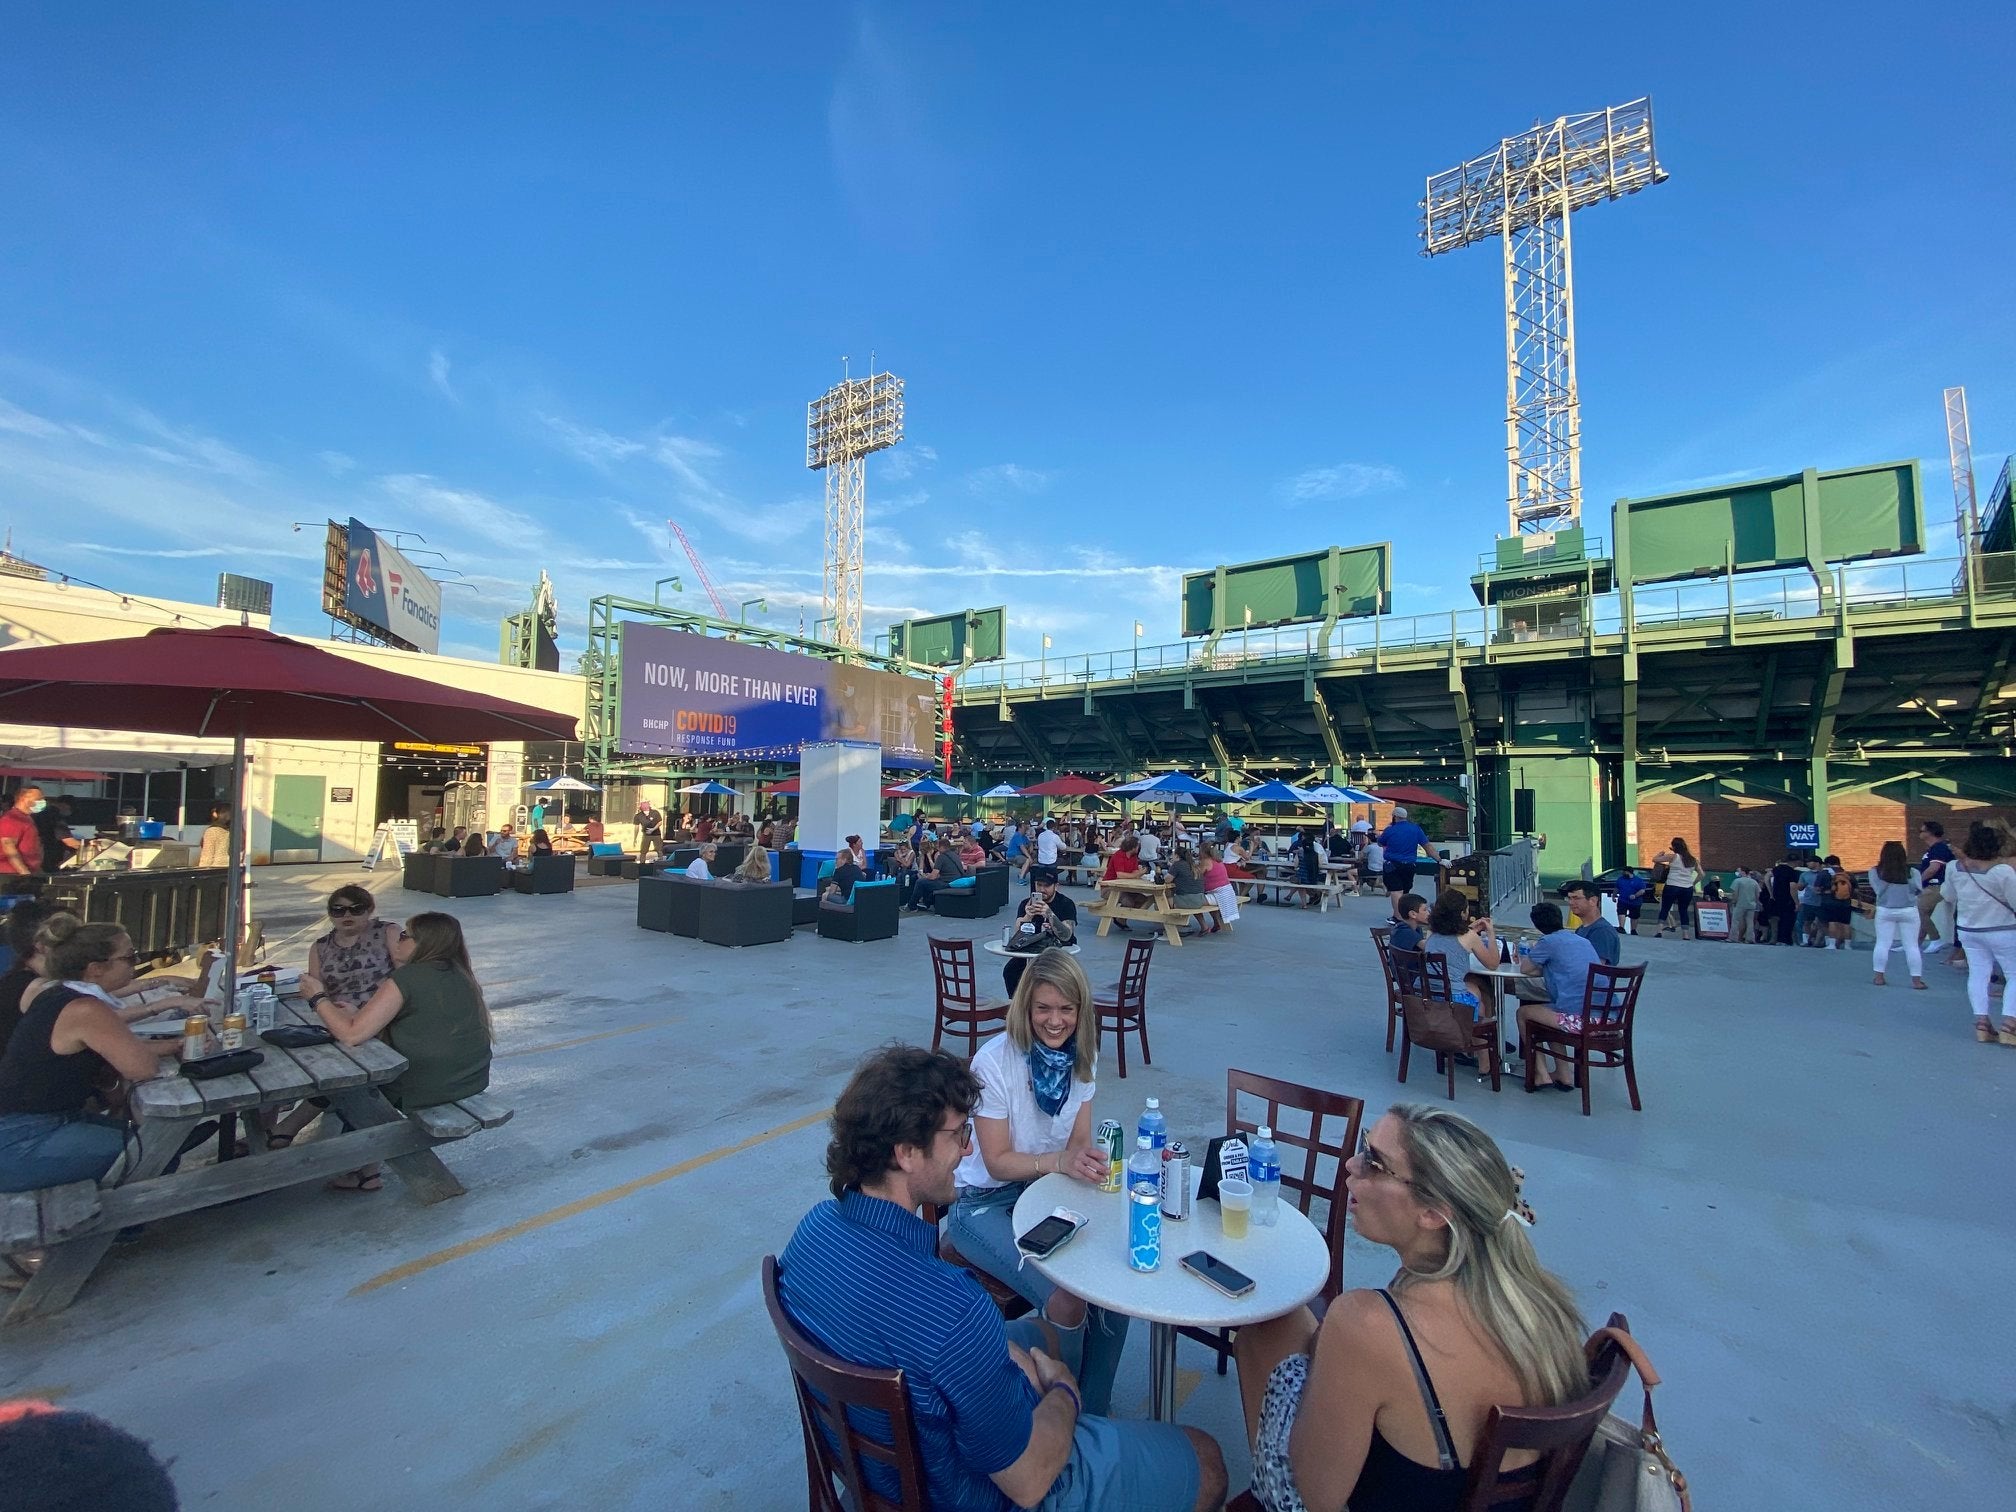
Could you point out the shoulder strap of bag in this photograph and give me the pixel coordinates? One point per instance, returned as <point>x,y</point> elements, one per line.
<point>1648,1428</point>
<point>1445,1447</point>
<point>1984,889</point>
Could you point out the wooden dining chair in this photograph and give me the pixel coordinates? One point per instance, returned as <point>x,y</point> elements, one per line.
<point>1609,1008</point>
<point>1011,1303</point>
<point>960,1011</point>
<point>836,1450</point>
<point>1315,1175</point>
<point>1559,1435</point>
<point>1382,941</point>
<point>1123,1005</point>
<point>1425,974</point>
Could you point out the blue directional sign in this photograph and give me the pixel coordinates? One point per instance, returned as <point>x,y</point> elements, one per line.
<point>1802,836</point>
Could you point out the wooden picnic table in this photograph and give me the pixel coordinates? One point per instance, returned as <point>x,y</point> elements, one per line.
<point>1279,874</point>
<point>1158,910</point>
<point>167,1108</point>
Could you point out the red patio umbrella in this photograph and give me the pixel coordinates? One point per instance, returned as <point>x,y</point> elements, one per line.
<point>786,788</point>
<point>242,682</point>
<point>1415,797</point>
<point>1065,787</point>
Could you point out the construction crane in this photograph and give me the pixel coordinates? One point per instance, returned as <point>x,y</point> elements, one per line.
<point>1960,453</point>
<point>1522,193</point>
<point>700,567</point>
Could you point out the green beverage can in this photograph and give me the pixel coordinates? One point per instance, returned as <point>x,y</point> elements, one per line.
<point>1111,1139</point>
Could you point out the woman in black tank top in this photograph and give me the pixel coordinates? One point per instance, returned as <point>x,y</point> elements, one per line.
<point>69,1041</point>
<point>1380,1409</point>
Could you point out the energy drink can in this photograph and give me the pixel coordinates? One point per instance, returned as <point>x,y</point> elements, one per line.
<point>1175,1180</point>
<point>1110,1139</point>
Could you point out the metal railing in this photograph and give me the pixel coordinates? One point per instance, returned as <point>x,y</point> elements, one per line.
<point>1746,598</point>
<point>1514,880</point>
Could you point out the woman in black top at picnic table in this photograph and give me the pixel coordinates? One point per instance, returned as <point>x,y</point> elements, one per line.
<point>1349,1413</point>
<point>432,1012</point>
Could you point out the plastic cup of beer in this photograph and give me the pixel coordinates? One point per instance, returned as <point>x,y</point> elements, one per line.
<point>1235,1207</point>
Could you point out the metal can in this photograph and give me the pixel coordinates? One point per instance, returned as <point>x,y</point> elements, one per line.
<point>1175,1180</point>
<point>195,1036</point>
<point>1111,1139</point>
<point>233,1036</point>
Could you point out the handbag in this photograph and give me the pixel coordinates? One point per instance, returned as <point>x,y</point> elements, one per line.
<point>1626,1468</point>
<point>1439,1025</point>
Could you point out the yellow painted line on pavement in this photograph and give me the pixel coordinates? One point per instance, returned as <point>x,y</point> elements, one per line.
<point>582,1205</point>
<point>583,1040</point>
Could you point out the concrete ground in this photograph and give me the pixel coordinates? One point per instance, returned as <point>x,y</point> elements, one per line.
<point>1809,1226</point>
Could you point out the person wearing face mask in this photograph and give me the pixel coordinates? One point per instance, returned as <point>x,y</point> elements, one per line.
<point>20,835</point>
<point>1035,1117</point>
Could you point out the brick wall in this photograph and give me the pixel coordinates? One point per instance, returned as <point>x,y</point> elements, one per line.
<point>1726,834</point>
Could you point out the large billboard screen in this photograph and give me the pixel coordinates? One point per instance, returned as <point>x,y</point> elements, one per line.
<point>686,694</point>
<point>944,641</point>
<point>383,589</point>
<point>1348,581</point>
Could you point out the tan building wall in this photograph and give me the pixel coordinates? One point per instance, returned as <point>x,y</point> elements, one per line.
<point>35,613</point>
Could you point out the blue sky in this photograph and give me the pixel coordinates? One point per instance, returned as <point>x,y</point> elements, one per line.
<point>530,283</point>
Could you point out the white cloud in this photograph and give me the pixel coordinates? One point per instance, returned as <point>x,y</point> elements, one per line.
<point>1010,475</point>
<point>336,463</point>
<point>598,448</point>
<point>438,374</point>
<point>905,462</point>
<point>462,508</point>
<point>1345,480</point>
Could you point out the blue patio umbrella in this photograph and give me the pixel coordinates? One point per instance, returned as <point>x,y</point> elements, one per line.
<point>1002,790</point>
<point>927,787</point>
<point>1329,792</point>
<point>709,789</point>
<point>1276,791</point>
<point>562,784</point>
<point>1164,785</point>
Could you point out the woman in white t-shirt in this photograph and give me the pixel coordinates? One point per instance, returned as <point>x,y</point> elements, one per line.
<point>1982,888</point>
<point>1035,1117</point>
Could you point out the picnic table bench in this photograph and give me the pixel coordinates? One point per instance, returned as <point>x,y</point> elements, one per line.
<point>1279,875</point>
<point>75,1224</point>
<point>1158,910</point>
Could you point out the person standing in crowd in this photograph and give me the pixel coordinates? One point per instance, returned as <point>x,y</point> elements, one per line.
<point>58,844</point>
<point>1561,958</point>
<point>1896,884</point>
<point>1631,890</point>
<point>536,818</point>
<point>1682,872</point>
<point>1350,1413</point>
<point>650,824</point>
<point>1782,900</point>
<point>1935,909</point>
<point>20,835</point>
<point>1585,906</point>
<point>996,1412</point>
<point>1744,891</point>
<point>1837,904</point>
<point>1401,843</point>
<point>1982,890</point>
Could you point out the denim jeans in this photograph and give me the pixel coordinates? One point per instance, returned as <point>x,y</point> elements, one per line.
<point>49,1149</point>
<point>982,1226</point>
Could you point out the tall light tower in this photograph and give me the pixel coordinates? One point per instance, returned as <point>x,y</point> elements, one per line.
<point>842,426</point>
<point>1523,193</point>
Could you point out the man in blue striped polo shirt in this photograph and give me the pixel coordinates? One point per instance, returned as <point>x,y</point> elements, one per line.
<point>996,1414</point>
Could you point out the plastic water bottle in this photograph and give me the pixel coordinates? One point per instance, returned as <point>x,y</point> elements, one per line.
<point>1153,1126</point>
<point>1263,1169</point>
<point>1144,1206</point>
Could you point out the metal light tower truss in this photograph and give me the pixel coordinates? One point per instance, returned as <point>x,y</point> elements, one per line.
<point>1523,193</point>
<point>842,426</point>
<point>1960,453</point>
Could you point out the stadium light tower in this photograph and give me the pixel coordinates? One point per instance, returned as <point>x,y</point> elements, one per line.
<point>842,426</point>
<point>1523,193</point>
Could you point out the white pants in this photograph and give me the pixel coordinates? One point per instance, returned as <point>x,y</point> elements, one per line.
<point>1225,901</point>
<point>1987,949</point>
<point>1899,926</point>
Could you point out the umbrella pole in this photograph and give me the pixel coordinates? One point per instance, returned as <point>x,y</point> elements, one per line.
<point>234,894</point>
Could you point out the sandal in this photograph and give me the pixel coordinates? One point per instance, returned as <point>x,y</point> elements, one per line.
<point>1877,980</point>
<point>1917,984</point>
<point>2008,1035</point>
<point>1984,1031</point>
<point>350,1181</point>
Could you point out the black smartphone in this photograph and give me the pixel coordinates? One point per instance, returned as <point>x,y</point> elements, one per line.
<point>1210,1268</point>
<point>1047,1237</point>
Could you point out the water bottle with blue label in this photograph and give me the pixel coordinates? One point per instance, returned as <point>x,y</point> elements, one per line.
<point>1154,1127</point>
<point>1263,1169</point>
<point>1144,1206</point>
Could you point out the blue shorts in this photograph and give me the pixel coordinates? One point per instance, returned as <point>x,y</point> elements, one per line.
<point>1115,1465</point>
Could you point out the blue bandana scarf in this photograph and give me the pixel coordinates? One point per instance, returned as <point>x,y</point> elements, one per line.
<point>1050,1073</point>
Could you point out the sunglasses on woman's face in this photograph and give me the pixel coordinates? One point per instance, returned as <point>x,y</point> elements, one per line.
<point>347,910</point>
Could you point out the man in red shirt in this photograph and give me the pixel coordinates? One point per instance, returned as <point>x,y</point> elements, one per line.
<point>20,840</point>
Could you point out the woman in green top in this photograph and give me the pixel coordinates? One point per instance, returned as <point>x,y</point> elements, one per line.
<point>432,1012</point>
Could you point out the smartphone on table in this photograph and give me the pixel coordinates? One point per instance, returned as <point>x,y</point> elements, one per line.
<point>1210,1269</point>
<point>1049,1236</point>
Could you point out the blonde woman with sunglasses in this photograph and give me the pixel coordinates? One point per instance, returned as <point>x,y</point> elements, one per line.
<point>1381,1407</point>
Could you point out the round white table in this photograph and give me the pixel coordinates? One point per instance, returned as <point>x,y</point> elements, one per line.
<point>995,947</point>
<point>1288,1262</point>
